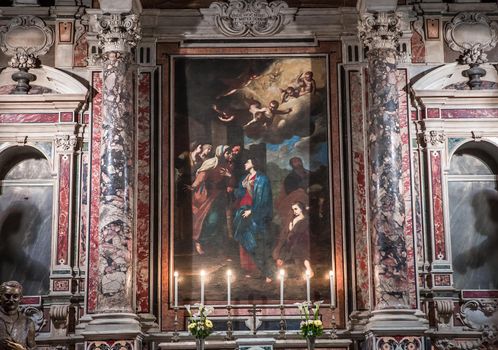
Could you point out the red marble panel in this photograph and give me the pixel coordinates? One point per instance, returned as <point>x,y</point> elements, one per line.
<point>418,47</point>
<point>143,199</point>
<point>93,272</point>
<point>432,113</point>
<point>84,207</point>
<point>414,115</point>
<point>437,206</point>
<point>63,221</point>
<point>359,194</point>
<point>29,117</point>
<point>66,117</point>
<point>472,294</point>
<point>60,285</point>
<point>81,52</point>
<point>31,300</point>
<point>404,120</point>
<point>469,113</point>
<point>442,280</point>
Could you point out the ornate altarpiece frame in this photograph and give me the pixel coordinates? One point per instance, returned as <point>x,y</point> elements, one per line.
<point>167,54</point>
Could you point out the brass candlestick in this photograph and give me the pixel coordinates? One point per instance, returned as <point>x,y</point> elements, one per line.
<point>176,335</point>
<point>281,332</point>
<point>229,335</point>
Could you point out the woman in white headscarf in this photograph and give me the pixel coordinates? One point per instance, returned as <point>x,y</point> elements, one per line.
<point>209,200</point>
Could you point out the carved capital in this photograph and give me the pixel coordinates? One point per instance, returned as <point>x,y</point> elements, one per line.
<point>432,138</point>
<point>249,17</point>
<point>380,30</point>
<point>66,143</point>
<point>118,32</point>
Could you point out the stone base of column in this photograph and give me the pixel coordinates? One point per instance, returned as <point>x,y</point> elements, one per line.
<point>149,323</point>
<point>108,330</point>
<point>397,322</point>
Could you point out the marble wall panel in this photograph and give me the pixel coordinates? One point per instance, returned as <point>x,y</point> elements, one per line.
<point>359,192</point>
<point>96,129</point>
<point>144,190</point>
<point>84,209</point>
<point>469,113</point>
<point>437,206</point>
<point>29,118</point>
<point>63,218</point>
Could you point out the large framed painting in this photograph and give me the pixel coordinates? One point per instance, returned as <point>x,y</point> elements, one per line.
<point>251,184</point>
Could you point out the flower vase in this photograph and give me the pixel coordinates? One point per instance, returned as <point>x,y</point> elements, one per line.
<point>310,343</point>
<point>199,343</point>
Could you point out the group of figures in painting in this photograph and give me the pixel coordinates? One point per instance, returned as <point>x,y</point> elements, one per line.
<point>232,201</point>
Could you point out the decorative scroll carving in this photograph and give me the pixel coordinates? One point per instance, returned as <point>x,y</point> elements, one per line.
<point>444,312</point>
<point>380,30</point>
<point>65,143</point>
<point>433,137</point>
<point>471,31</point>
<point>26,34</point>
<point>118,32</point>
<point>35,314</point>
<point>250,17</point>
<point>59,316</point>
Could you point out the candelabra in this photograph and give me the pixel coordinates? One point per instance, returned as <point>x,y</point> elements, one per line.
<point>281,332</point>
<point>229,335</point>
<point>333,330</point>
<point>176,335</point>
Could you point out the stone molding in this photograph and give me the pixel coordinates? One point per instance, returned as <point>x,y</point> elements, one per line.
<point>380,30</point>
<point>242,18</point>
<point>118,32</point>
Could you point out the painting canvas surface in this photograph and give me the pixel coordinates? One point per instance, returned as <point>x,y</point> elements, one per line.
<point>251,182</point>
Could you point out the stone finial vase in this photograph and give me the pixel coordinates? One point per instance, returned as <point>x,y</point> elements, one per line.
<point>200,343</point>
<point>310,343</point>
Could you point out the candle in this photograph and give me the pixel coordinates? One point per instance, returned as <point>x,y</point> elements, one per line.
<point>282,274</point>
<point>308,275</point>
<point>332,289</point>
<point>176,288</point>
<point>203,273</point>
<point>229,281</point>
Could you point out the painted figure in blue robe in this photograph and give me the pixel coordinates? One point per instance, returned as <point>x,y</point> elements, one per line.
<point>252,221</point>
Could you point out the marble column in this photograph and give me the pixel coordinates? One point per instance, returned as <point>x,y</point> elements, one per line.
<point>380,33</point>
<point>117,158</point>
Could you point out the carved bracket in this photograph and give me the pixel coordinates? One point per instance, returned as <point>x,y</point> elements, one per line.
<point>66,143</point>
<point>258,18</point>
<point>444,310</point>
<point>432,137</point>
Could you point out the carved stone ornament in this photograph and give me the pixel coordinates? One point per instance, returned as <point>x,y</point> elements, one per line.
<point>28,35</point>
<point>257,18</point>
<point>444,312</point>
<point>471,34</point>
<point>65,143</point>
<point>35,314</point>
<point>432,137</point>
<point>380,30</point>
<point>118,32</point>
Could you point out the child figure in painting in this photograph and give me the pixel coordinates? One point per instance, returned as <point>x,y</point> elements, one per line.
<point>307,84</point>
<point>289,93</point>
<point>296,247</point>
<point>265,115</point>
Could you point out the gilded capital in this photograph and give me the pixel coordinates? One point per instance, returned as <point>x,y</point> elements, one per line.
<point>118,32</point>
<point>380,30</point>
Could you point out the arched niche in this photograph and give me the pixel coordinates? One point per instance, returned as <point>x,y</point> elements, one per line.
<point>26,202</point>
<point>473,215</point>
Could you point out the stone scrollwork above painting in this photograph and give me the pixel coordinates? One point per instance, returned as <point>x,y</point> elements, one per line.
<point>481,315</point>
<point>471,34</point>
<point>27,35</point>
<point>243,18</point>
